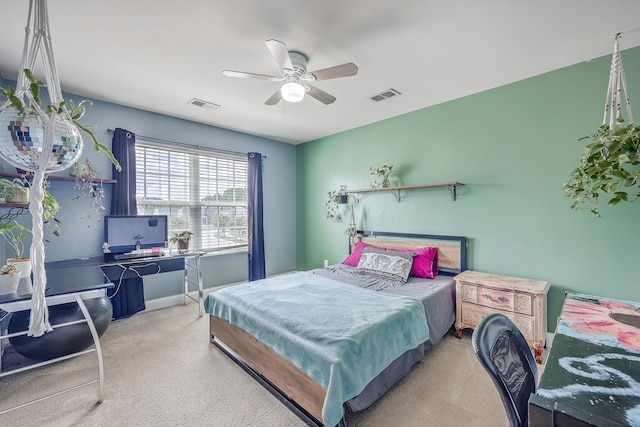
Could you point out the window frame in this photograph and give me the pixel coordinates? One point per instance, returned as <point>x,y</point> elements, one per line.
<point>194,176</point>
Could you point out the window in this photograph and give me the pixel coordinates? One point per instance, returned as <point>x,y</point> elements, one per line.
<point>199,190</point>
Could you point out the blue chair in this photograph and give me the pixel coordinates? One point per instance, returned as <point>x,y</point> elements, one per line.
<point>506,356</point>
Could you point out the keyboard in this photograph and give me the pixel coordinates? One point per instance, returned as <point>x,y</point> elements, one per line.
<point>128,256</point>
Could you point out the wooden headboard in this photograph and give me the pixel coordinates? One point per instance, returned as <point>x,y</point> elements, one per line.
<point>452,250</point>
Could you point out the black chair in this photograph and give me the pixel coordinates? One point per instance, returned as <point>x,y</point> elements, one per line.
<point>506,356</point>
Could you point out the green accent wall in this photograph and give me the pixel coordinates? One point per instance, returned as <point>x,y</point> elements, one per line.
<point>513,147</point>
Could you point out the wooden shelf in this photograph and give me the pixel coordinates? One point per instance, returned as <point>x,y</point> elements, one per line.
<point>13,205</point>
<point>396,190</point>
<point>10,211</point>
<point>56,178</point>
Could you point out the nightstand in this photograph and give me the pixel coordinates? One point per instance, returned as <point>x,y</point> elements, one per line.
<point>524,301</point>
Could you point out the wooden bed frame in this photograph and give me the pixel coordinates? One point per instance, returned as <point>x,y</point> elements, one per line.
<point>284,380</point>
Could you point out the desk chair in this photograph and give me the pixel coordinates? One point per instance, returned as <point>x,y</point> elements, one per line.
<point>506,356</point>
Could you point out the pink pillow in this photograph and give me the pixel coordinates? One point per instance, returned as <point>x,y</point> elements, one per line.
<point>425,264</point>
<point>354,256</point>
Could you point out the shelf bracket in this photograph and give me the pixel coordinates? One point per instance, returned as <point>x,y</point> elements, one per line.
<point>397,195</point>
<point>13,213</point>
<point>452,189</point>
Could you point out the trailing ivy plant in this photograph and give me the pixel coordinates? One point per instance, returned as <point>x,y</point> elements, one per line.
<point>332,206</point>
<point>609,164</point>
<point>89,184</point>
<point>75,112</point>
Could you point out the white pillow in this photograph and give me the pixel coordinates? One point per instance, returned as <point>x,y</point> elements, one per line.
<point>385,263</point>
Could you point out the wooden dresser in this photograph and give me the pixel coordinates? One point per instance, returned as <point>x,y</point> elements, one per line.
<point>524,301</point>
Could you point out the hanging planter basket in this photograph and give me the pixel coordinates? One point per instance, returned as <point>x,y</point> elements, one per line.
<point>610,163</point>
<point>22,141</point>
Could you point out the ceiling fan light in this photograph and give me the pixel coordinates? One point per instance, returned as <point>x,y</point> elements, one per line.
<point>292,92</point>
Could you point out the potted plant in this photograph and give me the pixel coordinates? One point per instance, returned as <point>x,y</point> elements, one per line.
<point>13,191</point>
<point>182,239</point>
<point>383,173</point>
<point>15,234</point>
<point>609,164</point>
<point>17,191</point>
<point>9,278</point>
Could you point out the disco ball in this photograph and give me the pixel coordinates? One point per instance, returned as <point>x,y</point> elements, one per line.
<point>22,141</point>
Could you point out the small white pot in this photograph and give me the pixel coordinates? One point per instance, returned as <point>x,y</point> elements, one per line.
<point>22,264</point>
<point>9,283</point>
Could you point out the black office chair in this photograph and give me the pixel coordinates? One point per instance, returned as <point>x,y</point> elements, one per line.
<point>506,356</point>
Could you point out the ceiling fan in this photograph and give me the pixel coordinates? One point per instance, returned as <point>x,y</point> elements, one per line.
<point>293,71</point>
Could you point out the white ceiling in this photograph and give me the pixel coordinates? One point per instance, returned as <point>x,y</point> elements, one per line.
<point>157,55</point>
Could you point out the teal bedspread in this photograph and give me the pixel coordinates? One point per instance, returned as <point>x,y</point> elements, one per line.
<point>340,335</point>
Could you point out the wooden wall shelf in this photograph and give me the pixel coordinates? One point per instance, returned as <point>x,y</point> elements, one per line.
<point>396,190</point>
<point>12,210</point>
<point>56,178</point>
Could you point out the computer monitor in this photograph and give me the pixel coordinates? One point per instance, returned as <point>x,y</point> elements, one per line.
<point>125,233</point>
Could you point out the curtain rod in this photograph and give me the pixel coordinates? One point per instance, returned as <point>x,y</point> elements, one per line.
<point>182,144</point>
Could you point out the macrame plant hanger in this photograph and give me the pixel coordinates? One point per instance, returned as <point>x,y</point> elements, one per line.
<point>38,141</point>
<point>617,90</point>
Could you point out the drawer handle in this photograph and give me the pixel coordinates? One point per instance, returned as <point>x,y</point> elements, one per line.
<point>499,299</point>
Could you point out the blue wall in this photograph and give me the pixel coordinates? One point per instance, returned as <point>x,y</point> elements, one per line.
<point>82,237</point>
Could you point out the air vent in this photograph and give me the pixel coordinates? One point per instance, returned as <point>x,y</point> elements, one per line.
<point>385,95</point>
<point>204,104</point>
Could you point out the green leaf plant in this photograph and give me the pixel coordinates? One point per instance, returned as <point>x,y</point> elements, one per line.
<point>73,111</point>
<point>332,206</point>
<point>185,236</point>
<point>610,164</point>
<point>15,234</point>
<point>382,173</point>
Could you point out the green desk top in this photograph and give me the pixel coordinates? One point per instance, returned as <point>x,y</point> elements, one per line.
<point>593,367</point>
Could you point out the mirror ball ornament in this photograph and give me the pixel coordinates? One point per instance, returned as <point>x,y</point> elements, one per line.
<point>22,141</point>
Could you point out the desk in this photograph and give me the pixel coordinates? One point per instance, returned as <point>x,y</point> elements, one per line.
<point>96,269</point>
<point>115,271</point>
<point>62,294</point>
<point>592,375</point>
<point>66,283</point>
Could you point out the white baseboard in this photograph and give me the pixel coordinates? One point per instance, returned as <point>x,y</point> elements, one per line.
<point>159,303</point>
<point>170,301</point>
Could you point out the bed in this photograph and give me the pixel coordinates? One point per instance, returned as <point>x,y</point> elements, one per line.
<point>339,337</point>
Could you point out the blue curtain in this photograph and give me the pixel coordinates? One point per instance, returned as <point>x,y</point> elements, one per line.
<point>123,199</point>
<point>128,296</point>
<point>256,231</point>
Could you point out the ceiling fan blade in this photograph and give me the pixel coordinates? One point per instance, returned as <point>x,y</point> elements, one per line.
<point>280,52</point>
<point>344,70</point>
<point>243,75</point>
<point>321,95</point>
<point>274,99</point>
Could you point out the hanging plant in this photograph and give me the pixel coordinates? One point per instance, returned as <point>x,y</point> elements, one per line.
<point>40,142</point>
<point>351,229</point>
<point>89,184</point>
<point>70,112</point>
<point>609,164</point>
<point>332,206</point>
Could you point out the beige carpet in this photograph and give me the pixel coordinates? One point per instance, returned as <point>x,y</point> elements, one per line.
<point>161,370</point>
